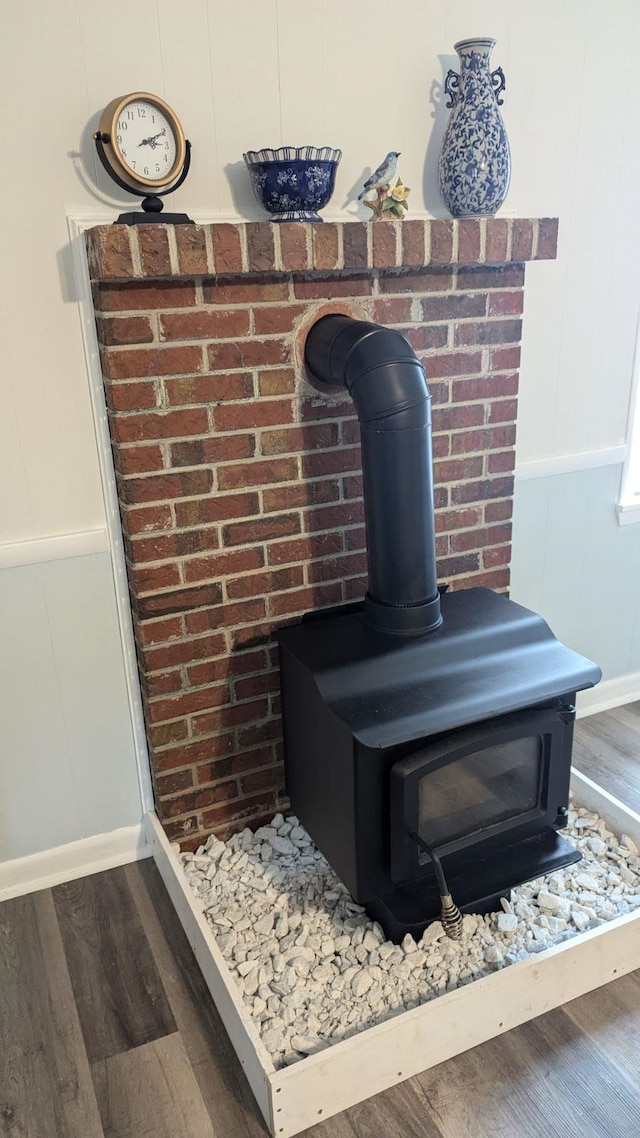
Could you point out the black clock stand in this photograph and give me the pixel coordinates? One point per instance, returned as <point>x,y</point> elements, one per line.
<point>152,204</point>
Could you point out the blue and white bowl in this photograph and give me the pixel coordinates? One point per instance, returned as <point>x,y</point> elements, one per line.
<point>293,183</point>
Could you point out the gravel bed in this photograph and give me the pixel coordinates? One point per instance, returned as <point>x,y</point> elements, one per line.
<point>313,969</point>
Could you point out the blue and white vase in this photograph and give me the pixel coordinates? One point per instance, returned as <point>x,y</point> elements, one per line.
<point>475,161</point>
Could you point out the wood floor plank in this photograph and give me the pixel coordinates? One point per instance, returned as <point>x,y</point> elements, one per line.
<point>400,1112</point>
<point>223,1085</point>
<point>151,1091</point>
<point>337,1127</point>
<point>607,750</point>
<point>45,1083</point>
<point>613,736</point>
<point>564,1074</point>
<point>472,1096</point>
<point>610,1017</point>
<point>582,1087</point>
<point>627,713</point>
<point>118,992</point>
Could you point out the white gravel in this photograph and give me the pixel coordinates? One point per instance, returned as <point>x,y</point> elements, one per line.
<point>313,969</point>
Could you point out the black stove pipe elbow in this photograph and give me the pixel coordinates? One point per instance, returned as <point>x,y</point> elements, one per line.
<point>388,386</point>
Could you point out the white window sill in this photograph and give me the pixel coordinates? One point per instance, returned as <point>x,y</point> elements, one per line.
<point>629,512</point>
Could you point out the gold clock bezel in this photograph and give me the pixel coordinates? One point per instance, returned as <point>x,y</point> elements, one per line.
<point>107,126</point>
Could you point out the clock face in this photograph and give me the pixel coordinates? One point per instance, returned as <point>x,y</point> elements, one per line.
<point>145,140</point>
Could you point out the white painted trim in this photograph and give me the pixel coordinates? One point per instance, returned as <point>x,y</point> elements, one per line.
<point>77,226</point>
<point>628,512</point>
<point>569,463</point>
<point>86,218</point>
<point>608,694</point>
<point>89,217</point>
<point>295,1098</point>
<point>56,547</point>
<point>77,859</point>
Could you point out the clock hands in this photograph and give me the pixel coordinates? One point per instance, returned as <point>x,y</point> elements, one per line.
<point>152,141</point>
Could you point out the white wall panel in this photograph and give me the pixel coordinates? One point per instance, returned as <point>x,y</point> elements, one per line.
<point>572,145</point>
<point>51,460</point>
<point>530,525</point>
<point>366,80</point>
<point>491,18</point>
<point>542,108</point>
<point>582,417</point>
<point>37,784</point>
<point>190,28</point>
<point>121,52</point>
<point>16,507</point>
<point>302,55</point>
<point>245,76</point>
<point>609,598</point>
<point>68,767</point>
<point>573,563</point>
<point>429,55</point>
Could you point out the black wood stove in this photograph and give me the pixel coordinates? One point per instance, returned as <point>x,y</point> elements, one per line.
<point>427,734</point>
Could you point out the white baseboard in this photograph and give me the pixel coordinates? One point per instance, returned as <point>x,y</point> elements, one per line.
<point>77,859</point>
<point>608,694</point>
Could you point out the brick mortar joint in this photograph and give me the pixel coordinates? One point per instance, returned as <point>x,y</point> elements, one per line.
<point>100,253</point>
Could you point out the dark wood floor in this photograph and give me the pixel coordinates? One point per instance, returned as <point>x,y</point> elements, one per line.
<point>108,1031</point>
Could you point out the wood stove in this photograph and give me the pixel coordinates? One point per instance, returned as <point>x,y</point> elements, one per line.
<point>426,733</point>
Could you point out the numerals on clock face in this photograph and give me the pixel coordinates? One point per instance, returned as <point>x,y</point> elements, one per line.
<point>145,140</point>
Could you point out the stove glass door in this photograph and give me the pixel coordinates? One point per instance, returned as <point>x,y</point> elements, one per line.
<point>480,790</point>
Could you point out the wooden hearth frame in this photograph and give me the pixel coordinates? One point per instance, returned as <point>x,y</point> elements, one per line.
<point>299,1096</point>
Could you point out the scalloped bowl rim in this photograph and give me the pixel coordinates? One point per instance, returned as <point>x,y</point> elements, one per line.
<point>292,154</point>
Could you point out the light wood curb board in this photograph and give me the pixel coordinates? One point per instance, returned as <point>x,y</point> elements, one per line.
<point>297,1097</point>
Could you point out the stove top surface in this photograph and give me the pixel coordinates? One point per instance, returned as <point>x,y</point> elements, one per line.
<point>490,656</point>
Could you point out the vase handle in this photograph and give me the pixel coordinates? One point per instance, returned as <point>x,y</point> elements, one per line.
<point>499,83</point>
<point>452,88</point>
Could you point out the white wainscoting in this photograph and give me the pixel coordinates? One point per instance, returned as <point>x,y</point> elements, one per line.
<point>576,566</point>
<point>68,765</point>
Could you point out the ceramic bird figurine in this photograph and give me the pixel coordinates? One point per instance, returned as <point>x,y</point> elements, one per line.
<point>383,176</point>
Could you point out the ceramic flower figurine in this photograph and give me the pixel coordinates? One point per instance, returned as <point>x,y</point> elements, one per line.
<point>396,200</point>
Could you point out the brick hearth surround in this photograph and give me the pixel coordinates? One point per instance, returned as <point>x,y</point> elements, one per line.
<point>239,484</point>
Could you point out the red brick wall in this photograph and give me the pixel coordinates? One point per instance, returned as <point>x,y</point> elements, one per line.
<point>240,486</point>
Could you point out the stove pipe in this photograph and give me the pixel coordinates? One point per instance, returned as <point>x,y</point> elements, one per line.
<point>389,389</point>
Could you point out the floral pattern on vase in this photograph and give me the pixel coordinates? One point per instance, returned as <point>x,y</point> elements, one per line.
<point>475,160</point>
